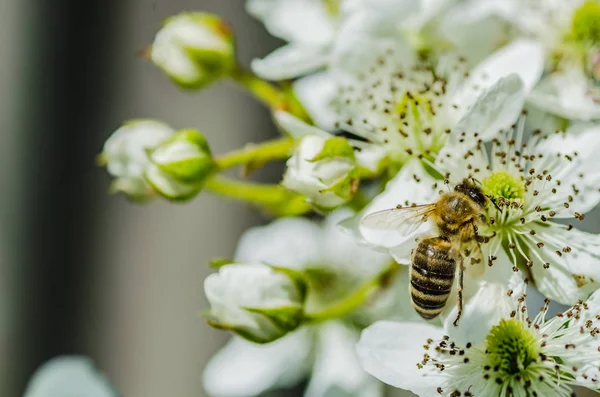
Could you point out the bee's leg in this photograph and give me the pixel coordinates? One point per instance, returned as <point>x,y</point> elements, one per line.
<point>484,239</point>
<point>461,273</point>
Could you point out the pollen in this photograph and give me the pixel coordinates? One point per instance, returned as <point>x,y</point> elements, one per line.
<point>503,184</point>
<point>511,347</point>
<point>586,23</point>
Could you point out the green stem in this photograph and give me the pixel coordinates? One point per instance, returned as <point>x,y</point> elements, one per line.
<point>263,152</point>
<point>273,198</point>
<point>356,299</point>
<point>262,90</point>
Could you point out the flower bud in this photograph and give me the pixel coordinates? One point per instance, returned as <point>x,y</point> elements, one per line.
<point>255,301</point>
<point>125,155</point>
<point>324,170</point>
<point>180,165</point>
<point>194,49</point>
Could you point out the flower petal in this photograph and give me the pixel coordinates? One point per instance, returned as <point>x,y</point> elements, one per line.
<point>316,93</point>
<point>286,242</point>
<point>290,61</point>
<point>403,188</point>
<point>486,302</point>
<point>295,127</point>
<point>497,108</point>
<point>69,376</point>
<point>300,21</point>
<point>566,95</point>
<point>337,371</point>
<point>242,368</point>
<point>581,142</point>
<point>363,37</point>
<point>525,58</point>
<point>343,254</point>
<point>572,275</point>
<point>390,351</point>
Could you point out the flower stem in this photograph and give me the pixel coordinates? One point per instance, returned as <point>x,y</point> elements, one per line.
<point>356,299</point>
<point>262,90</point>
<point>273,198</point>
<point>279,97</point>
<point>257,153</point>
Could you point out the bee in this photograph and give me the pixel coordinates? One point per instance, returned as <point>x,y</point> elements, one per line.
<point>436,260</point>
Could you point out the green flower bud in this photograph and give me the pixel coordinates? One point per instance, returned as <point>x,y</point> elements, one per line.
<point>257,302</point>
<point>194,49</point>
<point>180,165</point>
<point>324,170</point>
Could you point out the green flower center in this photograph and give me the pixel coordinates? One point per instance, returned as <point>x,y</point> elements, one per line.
<point>503,184</point>
<point>586,22</point>
<point>512,347</point>
<point>332,6</point>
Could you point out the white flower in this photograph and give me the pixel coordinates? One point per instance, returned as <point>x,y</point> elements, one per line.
<point>334,266</point>
<point>194,49</point>
<point>519,356</point>
<point>255,301</point>
<point>323,170</point>
<point>125,154</point>
<point>568,31</point>
<point>405,112</point>
<point>311,28</point>
<point>410,110</point>
<point>534,183</point>
<point>180,165</point>
<point>69,376</point>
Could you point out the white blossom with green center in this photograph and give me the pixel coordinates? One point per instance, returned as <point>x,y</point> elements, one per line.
<point>518,356</point>
<point>533,184</point>
<point>568,30</point>
<point>409,110</point>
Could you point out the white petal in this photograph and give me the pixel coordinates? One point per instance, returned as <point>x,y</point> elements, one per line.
<point>316,92</point>
<point>288,242</point>
<point>364,37</point>
<point>524,58</point>
<point>486,302</point>
<point>69,376</point>
<point>301,21</point>
<point>566,95</point>
<point>244,369</point>
<point>402,188</point>
<point>498,107</point>
<point>390,351</point>
<point>343,254</point>
<point>290,61</point>
<point>295,127</point>
<point>571,275</point>
<point>336,371</point>
<point>583,170</point>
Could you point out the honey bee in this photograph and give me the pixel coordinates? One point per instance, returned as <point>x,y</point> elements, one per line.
<point>435,260</point>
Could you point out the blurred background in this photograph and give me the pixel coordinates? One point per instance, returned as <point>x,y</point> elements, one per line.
<point>82,272</point>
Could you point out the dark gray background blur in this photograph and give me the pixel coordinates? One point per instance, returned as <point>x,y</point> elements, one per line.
<point>88,273</point>
<point>82,272</point>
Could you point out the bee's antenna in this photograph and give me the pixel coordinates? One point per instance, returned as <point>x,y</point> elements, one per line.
<point>477,181</point>
<point>493,200</point>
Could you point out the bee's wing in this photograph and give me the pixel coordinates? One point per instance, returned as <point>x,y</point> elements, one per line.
<point>405,220</point>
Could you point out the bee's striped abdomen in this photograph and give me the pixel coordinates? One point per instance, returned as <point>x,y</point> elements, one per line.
<point>431,276</point>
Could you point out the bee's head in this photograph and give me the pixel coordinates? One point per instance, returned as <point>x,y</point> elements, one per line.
<point>471,188</point>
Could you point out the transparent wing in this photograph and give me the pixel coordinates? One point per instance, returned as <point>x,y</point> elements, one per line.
<point>405,220</point>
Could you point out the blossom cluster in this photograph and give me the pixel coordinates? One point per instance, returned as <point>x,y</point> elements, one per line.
<point>440,156</point>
